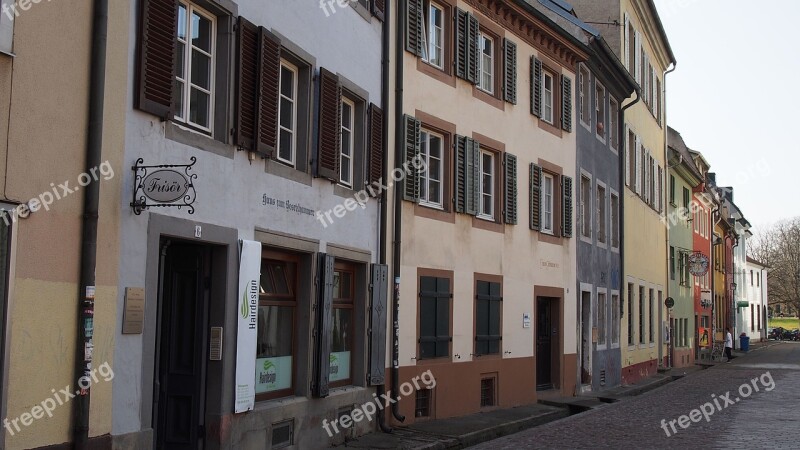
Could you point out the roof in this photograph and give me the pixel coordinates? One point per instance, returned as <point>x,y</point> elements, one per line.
<point>566,11</point>
<point>756,262</point>
<point>677,144</point>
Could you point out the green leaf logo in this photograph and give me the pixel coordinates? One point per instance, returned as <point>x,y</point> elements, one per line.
<point>333,359</point>
<point>244,310</point>
<point>268,365</point>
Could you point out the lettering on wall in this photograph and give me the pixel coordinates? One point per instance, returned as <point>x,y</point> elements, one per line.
<point>286,205</point>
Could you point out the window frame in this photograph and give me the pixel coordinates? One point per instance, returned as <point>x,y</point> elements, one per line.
<point>615,219</point>
<point>285,64</point>
<point>349,304</point>
<point>185,109</point>
<point>493,177</point>
<point>616,324</point>
<point>584,88</point>
<point>425,176</point>
<point>546,72</point>
<point>602,214</point>
<point>600,111</point>
<point>586,206</point>
<point>484,35</point>
<point>601,319</point>
<point>544,229</point>
<point>613,132</point>
<point>352,130</point>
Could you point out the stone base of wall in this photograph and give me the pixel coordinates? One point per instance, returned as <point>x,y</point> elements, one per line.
<point>638,372</point>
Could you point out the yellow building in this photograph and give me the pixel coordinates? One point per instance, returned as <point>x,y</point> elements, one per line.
<point>45,60</point>
<point>635,32</point>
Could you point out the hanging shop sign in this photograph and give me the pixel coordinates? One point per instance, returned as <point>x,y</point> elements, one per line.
<point>164,185</point>
<point>247,329</point>
<point>698,264</point>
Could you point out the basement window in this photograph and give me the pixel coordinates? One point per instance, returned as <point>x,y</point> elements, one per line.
<point>283,434</point>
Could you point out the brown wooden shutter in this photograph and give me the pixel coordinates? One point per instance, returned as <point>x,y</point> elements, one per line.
<point>414,26</point>
<point>566,206</point>
<point>375,145</point>
<point>156,71</point>
<point>536,87</point>
<point>379,9</point>
<point>379,289</point>
<point>330,125</point>
<point>510,194</point>
<point>566,104</point>
<point>324,324</point>
<point>411,138</point>
<point>535,210</point>
<point>247,84</point>
<point>510,72</point>
<point>269,94</point>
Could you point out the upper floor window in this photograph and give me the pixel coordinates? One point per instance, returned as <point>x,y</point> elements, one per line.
<point>601,214</point>
<point>194,75</point>
<point>583,92</point>
<point>433,47</point>
<point>613,132</point>
<point>287,113</point>
<point>487,185</point>
<point>614,221</point>
<point>547,203</point>
<point>431,180</point>
<point>547,96</point>
<point>586,206</point>
<point>348,121</point>
<point>600,110</point>
<point>486,63</point>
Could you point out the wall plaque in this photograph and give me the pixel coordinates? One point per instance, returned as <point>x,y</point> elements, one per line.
<point>133,315</point>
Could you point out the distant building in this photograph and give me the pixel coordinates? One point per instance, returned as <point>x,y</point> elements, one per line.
<point>756,293</point>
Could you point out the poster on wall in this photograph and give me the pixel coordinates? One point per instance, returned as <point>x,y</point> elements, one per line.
<point>704,338</point>
<point>247,330</point>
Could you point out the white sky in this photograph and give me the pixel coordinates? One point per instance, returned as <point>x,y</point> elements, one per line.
<point>734,96</point>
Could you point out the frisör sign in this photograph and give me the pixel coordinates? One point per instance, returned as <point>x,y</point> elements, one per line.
<point>165,186</point>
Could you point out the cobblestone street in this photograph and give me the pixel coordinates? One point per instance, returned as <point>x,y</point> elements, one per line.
<point>762,419</point>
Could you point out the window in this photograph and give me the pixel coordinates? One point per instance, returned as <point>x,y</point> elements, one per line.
<point>488,391</point>
<point>486,63</point>
<point>433,52</point>
<point>602,339</point>
<point>346,163</point>
<point>194,74</point>
<point>614,221</point>
<point>547,97</point>
<point>287,114</point>
<point>752,318</point>
<point>282,434</point>
<point>615,320</point>
<point>631,179</point>
<point>684,280</point>
<point>6,33</point>
<point>601,214</point>
<point>583,92</point>
<point>613,133</point>
<point>641,315</point>
<point>342,324</point>
<point>586,207</point>
<point>672,263</point>
<point>431,180</point>
<point>672,190</point>
<point>630,314</point>
<point>488,317</point>
<point>631,50</point>
<point>434,317</point>
<point>686,202</point>
<point>487,186</point>
<point>651,303</point>
<point>751,278</point>
<point>422,403</point>
<point>600,110</point>
<point>276,322</point>
<point>547,203</point>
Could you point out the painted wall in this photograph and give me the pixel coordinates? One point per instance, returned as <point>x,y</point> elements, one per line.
<point>231,189</point>
<point>681,239</point>
<point>701,242</point>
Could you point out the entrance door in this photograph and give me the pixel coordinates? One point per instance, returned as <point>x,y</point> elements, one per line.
<point>544,333</point>
<point>586,338</point>
<point>179,401</point>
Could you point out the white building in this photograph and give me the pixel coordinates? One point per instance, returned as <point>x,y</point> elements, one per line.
<point>755,290</point>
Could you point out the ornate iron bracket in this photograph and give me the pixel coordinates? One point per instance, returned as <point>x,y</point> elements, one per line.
<point>161,186</point>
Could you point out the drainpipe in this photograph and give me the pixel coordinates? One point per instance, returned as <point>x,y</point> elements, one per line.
<point>622,281</point>
<point>714,311</point>
<point>398,207</point>
<point>735,309</point>
<point>385,136</point>
<point>663,106</point>
<point>91,201</point>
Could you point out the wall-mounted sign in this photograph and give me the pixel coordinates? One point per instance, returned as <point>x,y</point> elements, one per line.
<point>133,314</point>
<point>247,327</point>
<point>698,264</point>
<point>163,186</point>
<point>704,338</point>
<point>526,320</point>
<point>669,302</point>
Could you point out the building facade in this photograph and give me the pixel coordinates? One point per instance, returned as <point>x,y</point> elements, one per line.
<point>756,294</point>
<point>702,238</point>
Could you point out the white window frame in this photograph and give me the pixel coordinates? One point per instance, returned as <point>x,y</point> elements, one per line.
<point>611,213</point>
<point>481,213</point>
<point>425,142</point>
<point>183,115</point>
<point>430,32</point>
<point>483,37</point>
<point>616,319</point>
<point>548,207</point>
<point>351,130</point>
<point>612,132</point>
<point>586,222</point>
<point>583,97</point>
<point>602,341</point>
<point>600,105</point>
<point>545,92</point>
<point>602,214</point>
<point>295,73</point>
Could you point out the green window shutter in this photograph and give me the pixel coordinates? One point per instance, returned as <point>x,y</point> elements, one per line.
<point>434,317</point>
<point>412,153</point>
<point>320,387</point>
<point>460,188</point>
<point>566,104</point>
<point>414,28</point>
<point>536,87</point>
<point>566,206</point>
<point>535,209</point>
<point>467,175</point>
<point>466,40</point>
<point>510,194</point>
<point>487,321</point>
<point>474,50</point>
<point>510,72</point>
<point>473,176</point>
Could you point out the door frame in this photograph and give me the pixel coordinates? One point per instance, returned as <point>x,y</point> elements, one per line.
<point>556,297</point>
<point>582,329</point>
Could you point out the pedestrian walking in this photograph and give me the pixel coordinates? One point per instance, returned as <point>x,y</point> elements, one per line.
<point>728,344</point>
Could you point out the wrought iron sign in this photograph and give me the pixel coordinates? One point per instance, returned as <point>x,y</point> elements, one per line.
<point>163,186</point>
<point>698,264</point>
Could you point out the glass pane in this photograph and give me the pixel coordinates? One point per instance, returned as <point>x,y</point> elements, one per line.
<point>287,83</point>
<point>281,278</point>
<point>287,114</point>
<point>180,60</point>
<point>346,111</point>
<point>346,143</point>
<point>181,22</point>
<point>177,94</point>
<point>201,32</point>
<point>435,146</point>
<point>346,286</point>
<point>435,195</point>
<point>434,169</point>
<point>341,338</point>
<point>199,108</point>
<point>346,170</point>
<point>285,151</point>
<point>275,325</point>
<point>201,70</point>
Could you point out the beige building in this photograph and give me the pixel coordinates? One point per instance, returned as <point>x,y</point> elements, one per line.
<point>45,62</point>
<point>486,265</point>
<point>634,30</point>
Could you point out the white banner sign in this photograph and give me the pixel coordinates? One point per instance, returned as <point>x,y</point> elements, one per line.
<point>247,333</point>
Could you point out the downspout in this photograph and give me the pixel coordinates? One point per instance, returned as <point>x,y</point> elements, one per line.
<point>714,312</point>
<point>622,281</point>
<point>663,106</point>
<point>381,390</point>
<point>91,201</point>
<point>398,206</point>
<point>735,309</point>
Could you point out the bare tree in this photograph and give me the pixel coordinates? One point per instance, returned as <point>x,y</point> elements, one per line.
<point>779,248</point>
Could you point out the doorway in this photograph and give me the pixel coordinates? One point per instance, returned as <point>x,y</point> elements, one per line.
<point>586,338</point>
<point>179,391</point>
<point>547,341</point>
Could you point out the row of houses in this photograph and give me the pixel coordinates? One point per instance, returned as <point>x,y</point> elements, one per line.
<point>242,220</point>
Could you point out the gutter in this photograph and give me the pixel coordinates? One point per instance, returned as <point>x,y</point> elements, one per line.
<point>381,388</point>
<point>91,201</point>
<point>663,106</point>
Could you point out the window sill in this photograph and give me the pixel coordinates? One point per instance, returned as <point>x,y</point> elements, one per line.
<point>290,173</point>
<point>586,239</point>
<point>601,348</point>
<point>432,213</point>
<point>487,224</point>
<point>550,128</point>
<point>343,191</point>
<point>361,10</point>
<point>486,97</point>
<point>177,133</point>
<point>436,73</point>
<point>602,245</point>
<point>550,238</point>
<point>434,361</point>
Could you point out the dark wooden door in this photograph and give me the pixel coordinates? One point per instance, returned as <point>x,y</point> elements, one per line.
<point>544,327</point>
<point>179,403</point>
